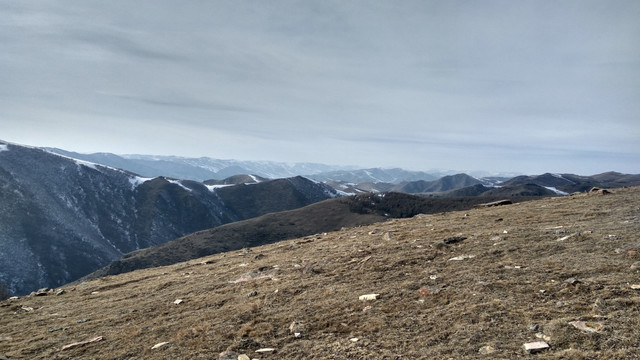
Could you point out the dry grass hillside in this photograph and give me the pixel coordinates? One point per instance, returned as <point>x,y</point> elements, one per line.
<point>473,284</point>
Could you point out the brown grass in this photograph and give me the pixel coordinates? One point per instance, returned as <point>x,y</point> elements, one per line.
<point>510,292</point>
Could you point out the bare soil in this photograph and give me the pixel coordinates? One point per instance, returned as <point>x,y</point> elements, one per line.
<point>458,285</point>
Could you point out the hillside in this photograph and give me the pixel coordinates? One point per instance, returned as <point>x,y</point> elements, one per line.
<point>474,284</point>
<point>325,216</point>
<point>62,218</point>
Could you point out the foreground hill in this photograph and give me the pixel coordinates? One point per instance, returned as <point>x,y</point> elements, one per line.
<point>474,284</point>
<point>325,216</point>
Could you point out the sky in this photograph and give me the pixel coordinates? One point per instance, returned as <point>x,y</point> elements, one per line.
<point>478,85</point>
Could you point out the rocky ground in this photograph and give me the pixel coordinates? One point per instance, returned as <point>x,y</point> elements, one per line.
<point>557,278</point>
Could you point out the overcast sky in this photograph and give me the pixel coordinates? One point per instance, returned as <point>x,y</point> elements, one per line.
<point>520,86</point>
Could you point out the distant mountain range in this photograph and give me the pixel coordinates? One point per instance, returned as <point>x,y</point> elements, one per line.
<point>63,215</point>
<point>204,168</point>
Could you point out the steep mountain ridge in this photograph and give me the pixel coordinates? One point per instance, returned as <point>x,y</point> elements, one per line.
<point>63,218</point>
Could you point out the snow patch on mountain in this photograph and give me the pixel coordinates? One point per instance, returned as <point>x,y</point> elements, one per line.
<point>559,192</point>
<point>138,180</point>
<point>177,182</point>
<point>213,188</point>
<point>4,147</point>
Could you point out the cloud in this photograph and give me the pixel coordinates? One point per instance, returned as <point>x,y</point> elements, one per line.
<point>384,83</point>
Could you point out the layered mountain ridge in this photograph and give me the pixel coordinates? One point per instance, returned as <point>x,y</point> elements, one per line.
<point>62,218</point>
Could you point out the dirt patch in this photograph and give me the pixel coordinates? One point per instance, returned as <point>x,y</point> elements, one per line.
<point>524,273</point>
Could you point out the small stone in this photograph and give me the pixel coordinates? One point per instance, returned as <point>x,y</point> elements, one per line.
<point>487,349</point>
<point>54,329</point>
<point>80,321</point>
<point>266,350</point>
<point>178,301</point>
<point>27,308</point>
<point>572,281</point>
<point>354,339</point>
<point>59,292</point>
<point>587,326</point>
<point>14,298</point>
<point>533,327</point>
<point>159,345</point>
<point>42,292</point>
<point>296,328</point>
<point>534,347</point>
<point>243,357</point>
<point>462,257</point>
<point>368,297</point>
<point>635,265</point>
<point>635,286</point>
<point>252,294</point>
<point>567,237</point>
<point>454,240</point>
<point>543,337</point>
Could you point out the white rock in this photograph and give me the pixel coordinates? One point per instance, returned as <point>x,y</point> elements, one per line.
<point>243,357</point>
<point>462,257</point>
<point>265,350</point>
<point>368,297</point>
<point>536,346</point>
<point>587,326</point>
<point>635,287</point>
<point>355,339</point>
<point>159,345</point>
<point>178,301</point>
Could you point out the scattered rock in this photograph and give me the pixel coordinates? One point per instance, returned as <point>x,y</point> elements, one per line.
<point>462,257</point>
<point>42,292</point>
<point>59,292</point>
<point>598,191</point>
<point>81,343</point>
<point>587,326</point>
<point>296,328</point>
<point>543,337</point>
<point>533,327</point>
<point>534,347</point>
<point>252,294</point>
<point>454,240</point>
<point>14,298</point>
<point>612,237</point>
<point>159,345</point>
<point>487,349</point>
<point>387,236</point>
<point>26,308</point>
<point>573,281</point>
<point>567,237</point>
<point>635,265</point>
<point>80,321</point>
<point>354,339</point>
<point>368,297</point>
<point>55,329</point>
<point>243,357</point>
<point>178,301</point>
<point>266,350</point>
<point>635,286</point>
